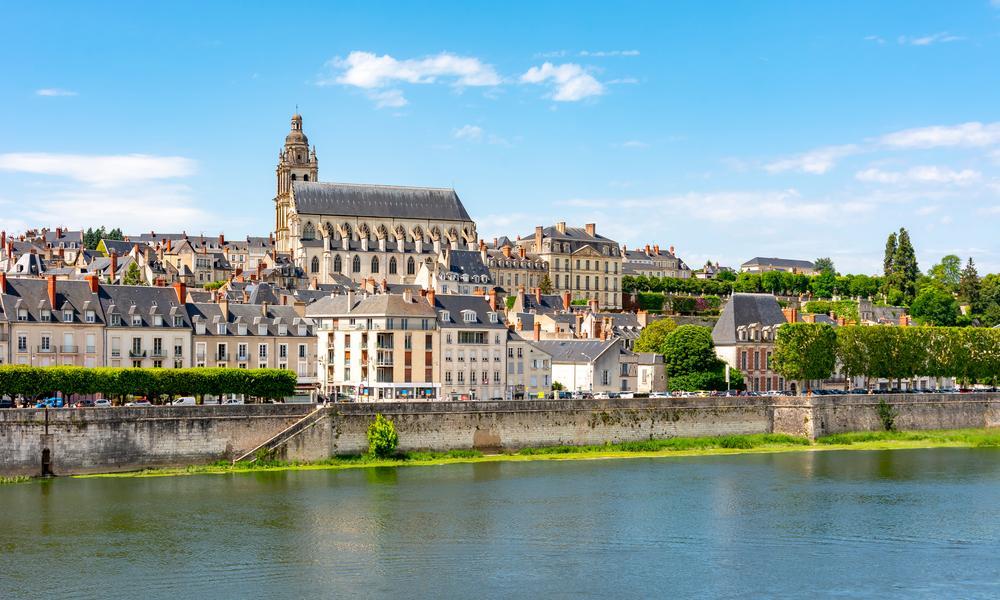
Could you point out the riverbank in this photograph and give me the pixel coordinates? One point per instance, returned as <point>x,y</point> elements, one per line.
<point>671,447</point>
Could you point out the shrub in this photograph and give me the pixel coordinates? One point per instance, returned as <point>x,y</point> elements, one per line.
<point>886,414</point>
<point>382,437</point>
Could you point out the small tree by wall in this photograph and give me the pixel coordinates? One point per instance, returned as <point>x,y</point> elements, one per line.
<point>382,437</point>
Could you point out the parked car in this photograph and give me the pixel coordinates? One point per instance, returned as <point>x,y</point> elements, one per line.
<point>102,403</point>
<point>601,396</point>
<point>141,402</point>
<point>6,403</point>
<point>184,401</point>
<point>83,404</point>
<point>627,395</point>
<point>231,401</point>
<point>659,394</point>
<point>50,403</point>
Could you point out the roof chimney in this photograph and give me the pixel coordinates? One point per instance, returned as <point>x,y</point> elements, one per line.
<point>538,238</point>
<point>791,314</point>
<point>672,251</point>
<point>3,282</point>
<point>52,292</point>
<point>92,281</point>
<point>647,250</point>
<point>656,249</point>
<point>58,232</point>
<point>579,324</point>
<point>521,251</point>
<point>566,300</point>
<point>506,250</point>
<point>222,240</point>
<point>430,297</point>
<point>561,227</point>
<point>114,265</point>
<point>493,299</point>
<point>591,229</point>
<point>407,295</point>
<point>538,331</point>
<point>594,306</point>
<point>538,295</point>
<point>181,289</point>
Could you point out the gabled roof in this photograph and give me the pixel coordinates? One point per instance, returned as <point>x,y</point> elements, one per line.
<point>745,309</point>
<point>575,351</point>
<point>366,200</point>
<point>779,262</point>
<point>457,305</point>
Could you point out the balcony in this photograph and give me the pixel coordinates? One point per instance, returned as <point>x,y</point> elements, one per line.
<point>116,353</point>
<point>221,357</point>
<point>242,358</point>
<point>136,353</point>
<point>45,349</point>
<point>69,349</point>
<point>158,353</point>
<point>91,349</point>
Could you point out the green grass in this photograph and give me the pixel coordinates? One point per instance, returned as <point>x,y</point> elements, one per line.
<point>980,438</point>
<point>15,479</point>
<point>741,442</point>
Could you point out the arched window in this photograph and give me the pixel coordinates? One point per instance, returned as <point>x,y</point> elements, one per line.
<point>314,267</point>
<point>293,176</point>
<point>356,264</point>
<point>411,267</point>
<point>305,178</point>
<point>338,264</point>
<point>374,264</point>
<point>392,265</point>
<point>309,232</point>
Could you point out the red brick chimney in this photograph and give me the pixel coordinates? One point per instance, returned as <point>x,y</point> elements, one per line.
<point>791,314</point>
<point>52,292</point>
<point>538,331</point>
<point>58,232</point>
<point>566,300</point>
<point>656,249</point>
<point>904,320</point>
<point>506,250</point>
<point>222,240</point>
<point>92,281</point>
<point>538,238</point>
<point>594,305</point>
<point>3,238</point>
<point>3,282</point>
<point>260,269</point>
<point>591,229</point>
<point>180,288</point>
<point>493,299</point>
<point>169,246</point>
<point>595,329</point>
<point>521,251</point>
<point>647,250</point>
<point>114,265</point>
<point>430,297</point>
<point>538,295</point>
<point>579,324</point>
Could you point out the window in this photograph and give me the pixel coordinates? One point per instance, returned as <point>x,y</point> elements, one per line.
<point>22,342</point>
<point>461,376</point>
<point>137,346</point>
<point>338,265</point>
<point>178,321</point>
<point>136,320</point>
<point>22,314</point>
<point>472,337</point>
<point>469,316</point>
<point>283,351</point>
<point>309,231</point>
<point>392,265</point>
<point>302,350</point>
<point>314,265</point>
<point>46,316</point>
<point>241,352</point>
<point>374,264</point>
<point>158,320</point>
<point>428,343</point>
<point>67,316</point>
<point>220,328</point>
<point>157,346</point>
<point>262,351</point>
<point>605,377</point>
<point>445,316</point>
<point>411,266</point>
<point>408,342</point>
<point>221,352</point>
<point>356,264</point>
<point>447,377</point>
<point>493,317</point>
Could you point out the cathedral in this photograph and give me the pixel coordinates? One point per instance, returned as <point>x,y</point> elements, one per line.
<point>361,231</point>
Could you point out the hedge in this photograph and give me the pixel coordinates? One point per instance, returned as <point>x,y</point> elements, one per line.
<point>111,382</point>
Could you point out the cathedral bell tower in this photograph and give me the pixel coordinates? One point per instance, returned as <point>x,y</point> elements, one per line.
<point>296,162</point>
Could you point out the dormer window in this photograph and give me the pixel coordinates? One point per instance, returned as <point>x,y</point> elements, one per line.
<point>46,316</point>
<point>136,320</point>
<point>178,321</point>
<point>158,320</point>
<point>90,316</point>
<point>220,328</point>
<point>302,329</point>
<point>493,317</point>
<point>67,316</point>
<point>116,319</point>
<point>241,329</point>
<point>22,314</point>
<point>282,329</point>
<point>469,316</point>
<point>445,316</point>
<point>262,330</point>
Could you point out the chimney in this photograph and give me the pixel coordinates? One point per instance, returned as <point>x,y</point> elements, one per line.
<point>314,285</point>
<point>496,242</point>
<point>904,320</point>
<point>566,301</point>
<point>672,251</point>
<point>604,335</point>
<point>656,249</point>
<point>482,250</point>
<point>506,250</point>
<point>92,282</point>
<point>3,282</point>
<point>52,292</point>
<point>579,325</point>
<point>594,306</point>
<point>595,328</point>
<point>181,289</point>
<point>538,331</point>
<point>647,250</point>
<point>260,269</point>
<point>222,240</point>
<point>493,299</point>
<point>58,232</point>
<point>538,238</point>
<point>591,229</point>
<point>430,297</point>
<point>223,300</point>
<point>521,251</point>
<point>520,297</point>
<point>385,285</point>
<point>114,265</point>
<point>3,238</point>
<point>407,295</point>
<point>538,295</point>
<point>809,318</point>
<point>791,314</point>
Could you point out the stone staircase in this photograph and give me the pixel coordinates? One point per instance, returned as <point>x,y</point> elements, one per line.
<point>282,437</point>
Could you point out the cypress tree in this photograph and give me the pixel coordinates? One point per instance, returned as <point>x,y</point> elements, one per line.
<point>890,253</point>
<point>968,286</point>
<point>904,265</point>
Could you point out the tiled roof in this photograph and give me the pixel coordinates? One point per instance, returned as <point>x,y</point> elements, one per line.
<point>356,200</point>
<point>575,351</point>
<point>745,309</point>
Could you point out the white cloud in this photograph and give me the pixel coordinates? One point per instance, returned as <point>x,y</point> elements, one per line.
<point>107,170</point>
<point>133,208</point>
<point>927,40</point>
<point>54,92</point>
<point>623,81</point>
<point>815,162</point>
<point>368,71</point>
<point>875,38</point>
<point>472,133</point>
<point>388,99</point>
<point>607,53</point>
<point>571,81</point>
<point>635,144</point>
<point>972,134</point>
<point>920,175</point>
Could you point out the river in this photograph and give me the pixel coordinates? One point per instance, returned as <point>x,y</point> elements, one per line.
<point>855,524</point>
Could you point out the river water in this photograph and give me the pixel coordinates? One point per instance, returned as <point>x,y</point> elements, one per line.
<point>913,523</point>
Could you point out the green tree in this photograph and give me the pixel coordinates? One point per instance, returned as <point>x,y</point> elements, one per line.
<point>905,270</point>
<point>947,273</point>
<point>653,337</point>
<point>805,351</point>
<point>822,285</point>
<point>545,284</point>
<point>689,349</point>
<point>382,437</point>
<point>556,386</point>
<point>890,255</point>
<point>969,286</point>
<point>935,307</point>
<point>133,276</point>
<point>825,265</point>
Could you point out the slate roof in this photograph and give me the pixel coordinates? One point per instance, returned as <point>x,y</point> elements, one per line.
<point>744,309</point>
<point>468,262</point>
<point>33,296</point>
<point>392,305</point>
<point>127,300</point>
<point>786,263</point>
<point>575,351</point>
<point>366,200</point>
<point>457,304</point>
<point>251,315</point>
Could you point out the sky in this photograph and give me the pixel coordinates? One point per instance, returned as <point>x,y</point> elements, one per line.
<point>727,130</point>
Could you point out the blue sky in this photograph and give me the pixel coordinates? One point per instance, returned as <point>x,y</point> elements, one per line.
<point>793,129</point>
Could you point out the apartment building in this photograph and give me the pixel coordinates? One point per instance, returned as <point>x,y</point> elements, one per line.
<point>146,326</point>
<point>588,365</point>
<point>473,347</point>
<point>529,368</point>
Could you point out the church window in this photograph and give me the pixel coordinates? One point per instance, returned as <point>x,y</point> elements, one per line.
<point>392,265</point>
<point>374,264</point>
<point>293,176</point>
<point>314,267</point>
<point>411,267</point>
<point>305,178</point>
<point>309,232</point>
<point>338,265</point>
<point>356,264</point>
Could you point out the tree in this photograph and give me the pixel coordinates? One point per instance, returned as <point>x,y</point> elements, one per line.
<point>545,284</point>
<point>689,349</point>
<point>382,437</point>
<point>133,276</point>
<point>904,266</point>
<point>947,273</point>
<point>935,307</point>
<point>822,285</point>
<point>890,254</point>
<point>653,337</point>
<point>969,286</point>
<point>556,386</point>
<point>805,351</point>
<point>824,265</point>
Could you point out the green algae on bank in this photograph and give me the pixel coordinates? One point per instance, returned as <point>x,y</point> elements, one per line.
<point>669,447</point>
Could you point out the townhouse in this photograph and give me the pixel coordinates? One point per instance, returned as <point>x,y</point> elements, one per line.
<point>473,346</point>
<point>146,326</point>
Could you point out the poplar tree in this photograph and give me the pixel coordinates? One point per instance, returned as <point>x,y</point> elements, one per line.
<point>969,286</point>
<point>904,265</point>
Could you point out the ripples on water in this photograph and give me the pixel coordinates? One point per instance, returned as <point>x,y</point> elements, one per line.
<point>915,523</point>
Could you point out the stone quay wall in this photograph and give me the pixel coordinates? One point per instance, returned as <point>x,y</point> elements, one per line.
<point>96,440</point>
